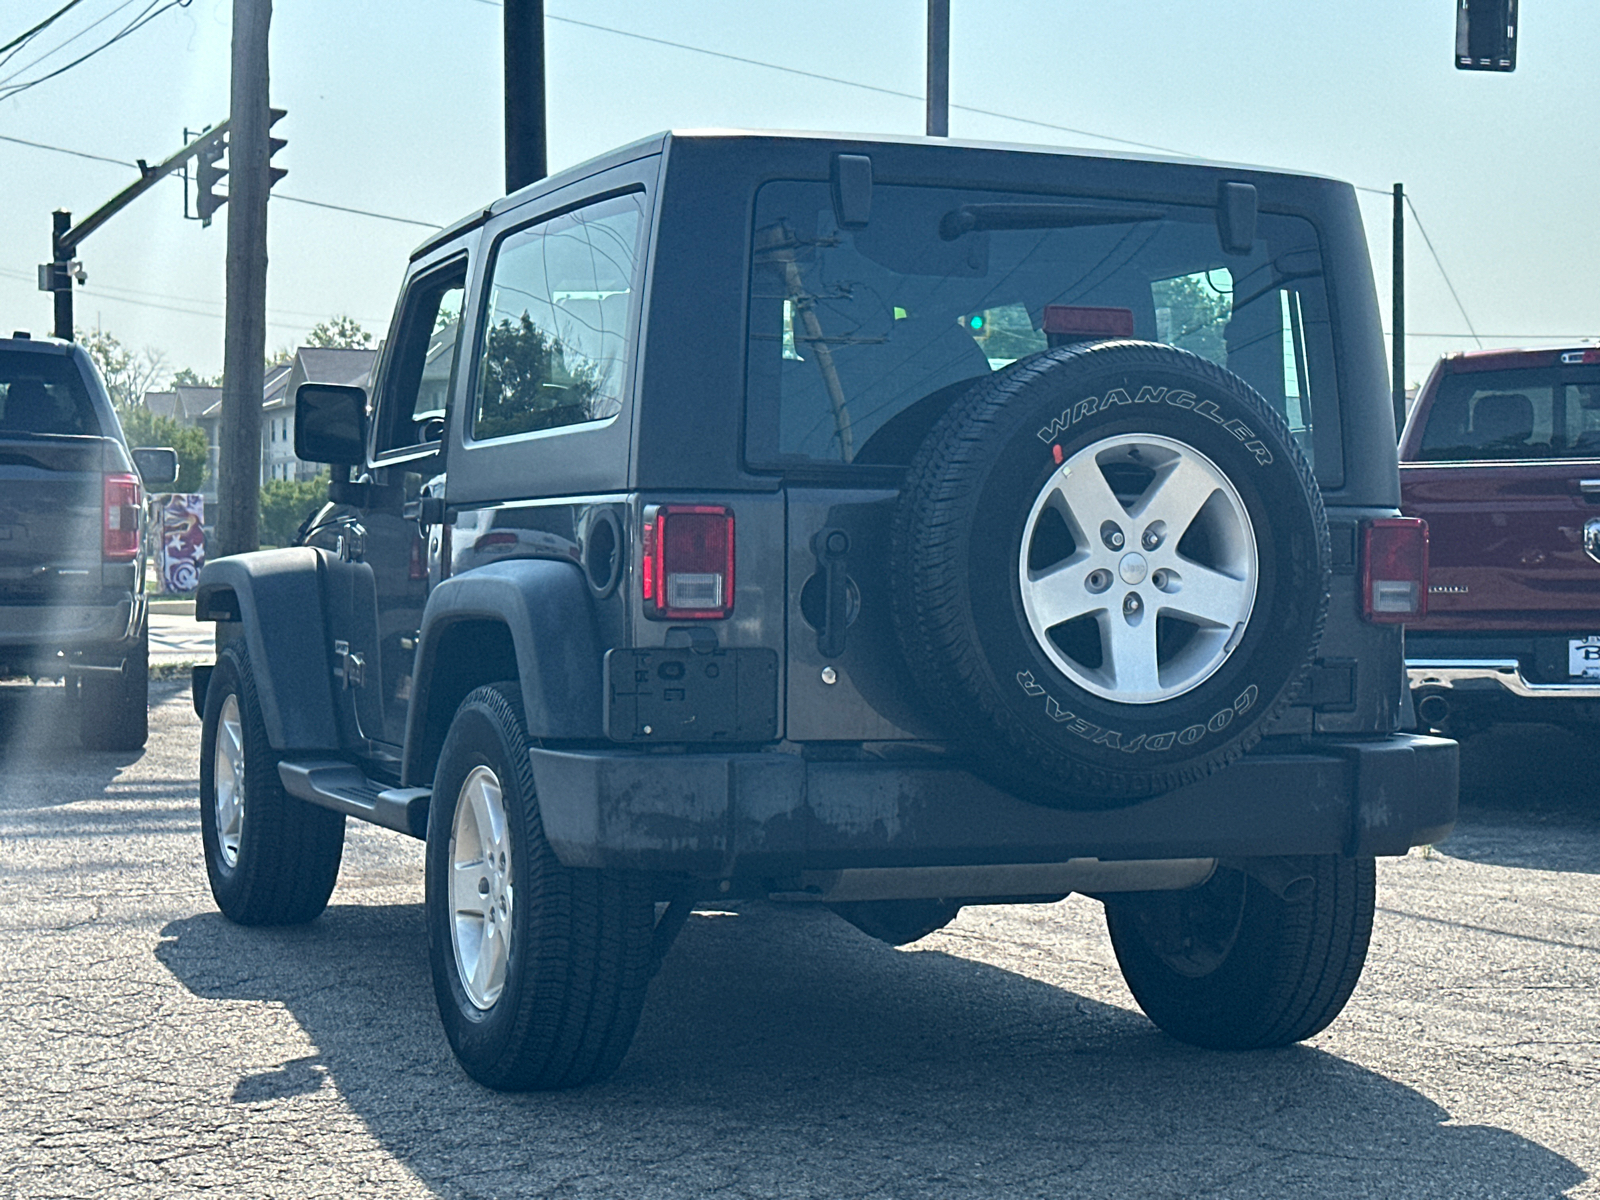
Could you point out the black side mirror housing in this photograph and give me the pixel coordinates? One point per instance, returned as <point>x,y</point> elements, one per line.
<point>330,423</point>
<point>157,466</point>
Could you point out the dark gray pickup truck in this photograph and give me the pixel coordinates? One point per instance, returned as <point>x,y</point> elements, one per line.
<point>72,600</point>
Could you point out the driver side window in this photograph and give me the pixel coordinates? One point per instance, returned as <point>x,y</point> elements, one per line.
<point>416,386</point>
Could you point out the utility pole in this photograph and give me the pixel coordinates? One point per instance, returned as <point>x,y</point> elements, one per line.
<point>524,82</point>
<point>245,348</point>
<point>1398,317</point>
<point>938,68</point>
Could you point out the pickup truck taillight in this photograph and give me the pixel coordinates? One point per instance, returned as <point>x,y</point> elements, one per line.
<point>1394,569</point>
<point>687,570</point>
<point>119,516</point>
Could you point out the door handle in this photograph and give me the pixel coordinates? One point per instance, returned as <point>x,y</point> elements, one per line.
<point>832,546</point>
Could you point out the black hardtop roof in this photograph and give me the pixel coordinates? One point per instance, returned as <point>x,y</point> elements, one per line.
<point>660,142</point>
<point>39,345</point>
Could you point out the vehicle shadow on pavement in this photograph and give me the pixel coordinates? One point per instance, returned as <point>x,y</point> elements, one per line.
<point>783,1053</point>
<point>1530,798</point>
<point>39,735</point>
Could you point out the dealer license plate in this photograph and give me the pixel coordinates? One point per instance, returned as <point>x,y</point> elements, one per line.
<point>1583,657</point>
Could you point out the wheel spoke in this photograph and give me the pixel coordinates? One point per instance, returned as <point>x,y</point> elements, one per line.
<point>483,967</point>
<point>1130,649</point>
<point>1060,594</point>
<point>1180,491</point>
<point>1085,499</point>
<point>1209,596</point>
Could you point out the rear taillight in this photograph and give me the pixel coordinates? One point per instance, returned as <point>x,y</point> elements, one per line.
<point>119,517</point>
<point>1394,569</point>
<point>687,567</point>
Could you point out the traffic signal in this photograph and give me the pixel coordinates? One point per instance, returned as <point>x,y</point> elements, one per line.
<point>274,144</point>
<point>207,174</point>
<point>1486,35</point>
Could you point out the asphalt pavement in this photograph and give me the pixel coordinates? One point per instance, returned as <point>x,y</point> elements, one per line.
<point>149,1048</point>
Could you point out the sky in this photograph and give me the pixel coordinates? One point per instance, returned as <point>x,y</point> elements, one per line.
<point>395,108</point>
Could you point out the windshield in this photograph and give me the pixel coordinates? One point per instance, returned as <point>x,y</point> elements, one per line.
<point>860,338</point>
<point>1532,413</point>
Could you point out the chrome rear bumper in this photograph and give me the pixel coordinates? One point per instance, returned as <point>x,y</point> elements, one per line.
<point>1492,674</point>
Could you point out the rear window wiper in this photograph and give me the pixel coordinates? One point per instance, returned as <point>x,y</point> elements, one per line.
<point>970,218</point>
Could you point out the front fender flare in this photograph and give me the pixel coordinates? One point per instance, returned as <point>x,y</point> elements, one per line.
<point>278,606</point>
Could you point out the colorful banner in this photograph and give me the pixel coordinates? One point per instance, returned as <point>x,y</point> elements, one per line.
<point>183,542</point>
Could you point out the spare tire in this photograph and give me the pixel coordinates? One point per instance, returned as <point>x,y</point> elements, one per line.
<point>1111,570</point>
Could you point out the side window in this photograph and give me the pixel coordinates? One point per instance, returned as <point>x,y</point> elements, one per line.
<point>416,384</point>
<point>554,350</point>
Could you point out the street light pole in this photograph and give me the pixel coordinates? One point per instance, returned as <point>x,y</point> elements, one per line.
<point>524,84</point>
<point>938,68</point>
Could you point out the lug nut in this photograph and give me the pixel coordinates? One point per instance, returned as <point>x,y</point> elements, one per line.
<point>1112,536</point>
<point>1130,605</point>
<point>1155,533</point>
<point>1099,580</point>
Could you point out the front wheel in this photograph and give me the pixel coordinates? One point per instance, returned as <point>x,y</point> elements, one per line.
<point>1234,965</point>
<point>539,970</point>
<point>272,859</point>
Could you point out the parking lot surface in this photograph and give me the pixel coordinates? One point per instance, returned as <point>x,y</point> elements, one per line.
<point>149,1048</point>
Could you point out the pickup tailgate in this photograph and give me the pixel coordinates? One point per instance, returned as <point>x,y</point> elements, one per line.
<point>1506,543</point>
<point>51,492</point>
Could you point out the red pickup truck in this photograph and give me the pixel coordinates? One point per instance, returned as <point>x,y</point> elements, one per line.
<point>1501,456</point>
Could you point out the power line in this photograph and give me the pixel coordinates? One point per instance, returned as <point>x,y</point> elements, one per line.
<point>149,14</point>
<point>120,162</point>
<point>867,87</point>
<point>60,12</point>
<point>1440,264</point>
<point>60,46</point>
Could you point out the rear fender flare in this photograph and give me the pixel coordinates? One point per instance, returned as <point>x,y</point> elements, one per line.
<point>548,612</point>
<point>275,596</point>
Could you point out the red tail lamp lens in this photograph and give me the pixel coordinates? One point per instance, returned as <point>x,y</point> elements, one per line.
<point>120,517</point>
<point>688,562</point>
<point>1394,569</point>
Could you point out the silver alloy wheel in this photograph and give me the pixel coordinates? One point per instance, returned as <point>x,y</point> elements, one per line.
<point>480,888</point>
<point>1160,542</point>
<point>227,774</point>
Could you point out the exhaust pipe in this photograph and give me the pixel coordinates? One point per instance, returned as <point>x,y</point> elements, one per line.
<point>1433,710</point>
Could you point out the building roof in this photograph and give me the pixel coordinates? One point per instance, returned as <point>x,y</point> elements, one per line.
<point>184,403</point>
<point>321,364</point>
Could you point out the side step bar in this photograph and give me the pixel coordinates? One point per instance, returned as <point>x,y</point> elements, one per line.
<point>343,787</point>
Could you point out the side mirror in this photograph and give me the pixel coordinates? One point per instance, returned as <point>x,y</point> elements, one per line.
<point>157,466</point>
<point>330,423</point>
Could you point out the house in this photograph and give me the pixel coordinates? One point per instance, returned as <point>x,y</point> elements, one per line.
<point>311,364</point>
<point>198,406</point>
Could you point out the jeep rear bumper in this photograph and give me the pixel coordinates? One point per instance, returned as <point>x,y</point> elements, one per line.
<point>771,816</point>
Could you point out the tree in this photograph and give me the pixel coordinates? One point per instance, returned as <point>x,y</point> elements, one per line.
<point>1198,312</point>
<point>527,383</point>
<point>128,374</point>
<point>285,503</point>
<point>145,428</point>
<point>188,377</point>
<point>343,332</point>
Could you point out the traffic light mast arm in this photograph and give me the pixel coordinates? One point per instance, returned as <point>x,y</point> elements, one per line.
<point>68,241</point>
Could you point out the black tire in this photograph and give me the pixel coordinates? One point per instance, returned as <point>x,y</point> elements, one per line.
<point>898,922</point>
<point>1233,966</point>
<point>278,865</point>
<point>580,949</point>
<point>114,710</point>
<point>958,554</point>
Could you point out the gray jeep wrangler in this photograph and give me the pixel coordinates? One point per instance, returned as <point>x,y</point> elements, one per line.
<point>890,525</point>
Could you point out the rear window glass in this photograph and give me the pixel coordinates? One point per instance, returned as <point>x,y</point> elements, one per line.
<point>860,338</point>
<point>1531,413</point>
<point>43,393</point>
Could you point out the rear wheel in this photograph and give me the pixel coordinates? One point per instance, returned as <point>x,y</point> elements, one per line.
<point>1232,965</point>
<point>114,709</point>
<point>540,970</point>
<point>272,858</point>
